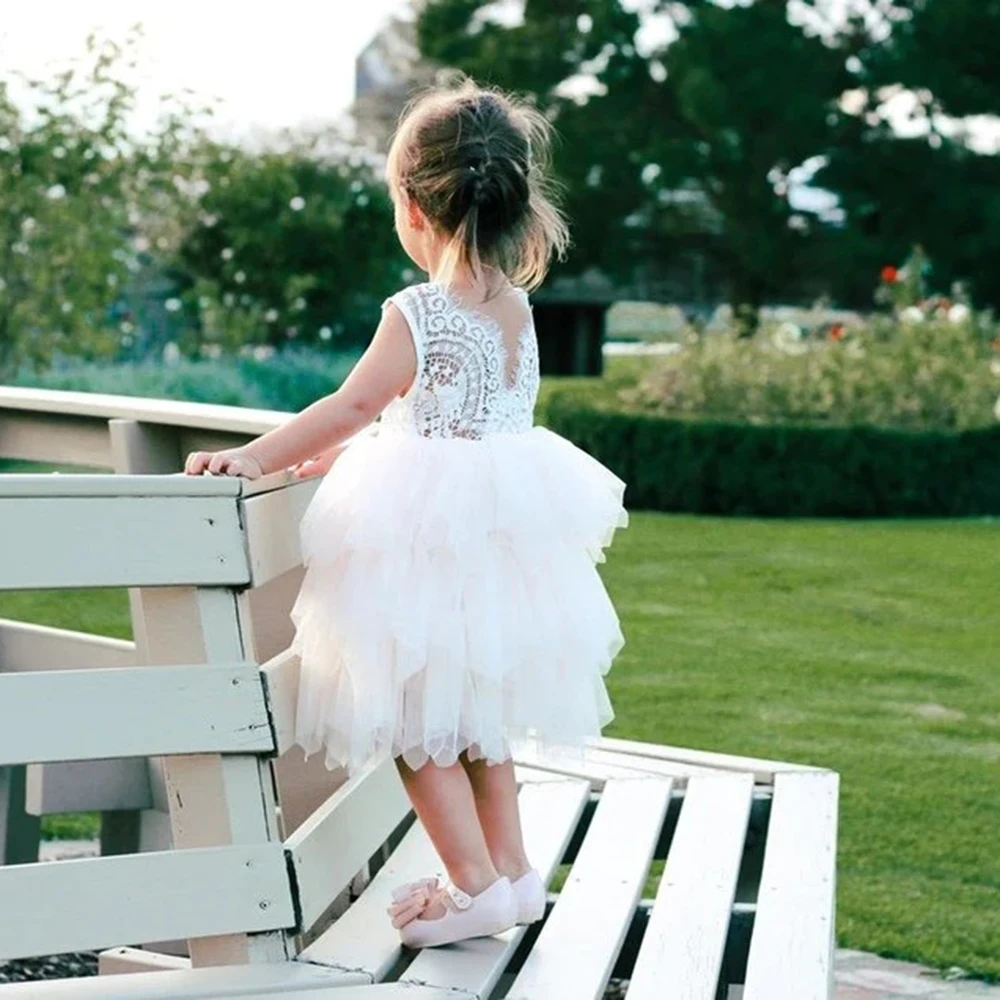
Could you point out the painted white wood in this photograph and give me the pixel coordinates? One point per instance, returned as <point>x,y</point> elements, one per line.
<point>763,770</point>
<point>549,815</point>
<point>88,903</point>
<point>120,961</point>
<point>54,486</point>
<point>577,765</point>
<point>270,606</point>
<point>213,800</point>
<point>578,946</point>
<point>604,764</point>
<point>62,715</point>
<point>281,686</point>
<point>46,437</point>
<point>243,786</point>
<point>272,481</point>
<point>26,646</point>
<point>272,529</point>
<point>204,416</point>
<point>791,948</point>
<point>87,785</point>
<point>167,627</point>
<point>686,935</point>
<point>227,982</point>
<point>525,775</point>
<point>110,542</point>
<point>303,785</point>
<point>143,449</point>
<point>384,991</point>
<point>364,940</point>
<point>330,847</point>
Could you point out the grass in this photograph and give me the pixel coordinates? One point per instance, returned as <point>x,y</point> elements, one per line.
<point>864,647</point>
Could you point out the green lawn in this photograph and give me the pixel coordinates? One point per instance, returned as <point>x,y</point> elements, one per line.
<point>865,647</point>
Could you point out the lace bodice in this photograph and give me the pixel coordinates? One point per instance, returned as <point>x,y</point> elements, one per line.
<point>462,388</point>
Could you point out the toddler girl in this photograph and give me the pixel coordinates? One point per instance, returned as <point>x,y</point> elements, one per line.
<point>451,607</point>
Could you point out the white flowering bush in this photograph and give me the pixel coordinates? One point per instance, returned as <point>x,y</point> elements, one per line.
<point>932,365</point>
<point>287,247</point>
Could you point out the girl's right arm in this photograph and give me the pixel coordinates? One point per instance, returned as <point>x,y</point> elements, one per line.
<point>386,370</point>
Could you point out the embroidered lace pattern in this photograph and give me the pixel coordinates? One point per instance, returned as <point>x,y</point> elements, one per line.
<point>466,385</point>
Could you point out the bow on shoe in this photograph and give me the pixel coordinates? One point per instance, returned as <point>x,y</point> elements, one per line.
<point>410,900</point>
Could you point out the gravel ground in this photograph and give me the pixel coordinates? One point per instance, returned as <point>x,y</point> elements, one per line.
<point>55,966</point>
<point>51,967</point>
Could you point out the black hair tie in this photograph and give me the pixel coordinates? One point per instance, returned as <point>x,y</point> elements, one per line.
<point>478,172</point>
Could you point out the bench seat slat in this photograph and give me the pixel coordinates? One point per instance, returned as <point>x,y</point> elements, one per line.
<point>589,766</point>
<point>577,948</point>
<point>363,939</point>
<point>686,936</point>
<point>549,815</point>
<point>188,984</point>
<point>387,991</point>
<point>335,843</point>
<point>763,770</point>
<point>791,945</point>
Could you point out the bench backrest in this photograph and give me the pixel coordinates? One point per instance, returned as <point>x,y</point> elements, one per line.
<point>207,705</point>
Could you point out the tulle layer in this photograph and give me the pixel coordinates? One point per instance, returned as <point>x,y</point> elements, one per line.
<point>451,602</point>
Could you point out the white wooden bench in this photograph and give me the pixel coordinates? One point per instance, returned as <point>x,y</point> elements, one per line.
<point>279,887</point>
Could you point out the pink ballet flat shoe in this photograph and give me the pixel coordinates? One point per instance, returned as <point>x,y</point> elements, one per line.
<point>493,911</point>
<point>529,890</point>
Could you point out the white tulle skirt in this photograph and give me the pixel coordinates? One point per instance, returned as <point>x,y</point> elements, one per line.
<point>451,602</point>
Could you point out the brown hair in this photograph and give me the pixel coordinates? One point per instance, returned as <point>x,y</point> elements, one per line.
<point>475,161</point>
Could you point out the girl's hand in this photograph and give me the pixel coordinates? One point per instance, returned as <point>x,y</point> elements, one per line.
<point>233,462</point>
<point>320,465</point>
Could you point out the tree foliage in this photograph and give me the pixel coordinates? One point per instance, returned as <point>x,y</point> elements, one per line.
<point>930,185</point>
<point>294,244</point>
<point>662,145</point>
<point>697,141</point>
<point>78,188</point>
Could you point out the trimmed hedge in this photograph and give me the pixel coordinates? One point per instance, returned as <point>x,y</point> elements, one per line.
<point>783,471</point>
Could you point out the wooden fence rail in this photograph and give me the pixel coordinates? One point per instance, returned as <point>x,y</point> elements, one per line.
<point>192,547</point>
<point>200,541</point>
<point>213,566</point>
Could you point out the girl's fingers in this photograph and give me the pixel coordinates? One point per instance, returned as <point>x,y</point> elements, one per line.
<point>218,463</point>
<point>195,464</point>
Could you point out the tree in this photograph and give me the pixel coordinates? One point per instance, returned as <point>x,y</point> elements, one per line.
<point>947,52</point>
<point>289,244</point>
<point>688,140</point>
<point>930,186</point>
<point>78,188</point>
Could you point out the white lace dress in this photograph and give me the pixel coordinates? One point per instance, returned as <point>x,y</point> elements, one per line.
<point>451,602</point>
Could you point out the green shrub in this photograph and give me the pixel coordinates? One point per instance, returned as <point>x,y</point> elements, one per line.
<point>288,380</point>
<point>789,471</point>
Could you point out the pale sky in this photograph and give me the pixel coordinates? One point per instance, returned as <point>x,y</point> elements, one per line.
<point>273,65</point>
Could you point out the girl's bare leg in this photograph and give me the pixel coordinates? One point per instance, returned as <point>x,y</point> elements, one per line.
<point>495,792</point>
<point>443,800</point>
